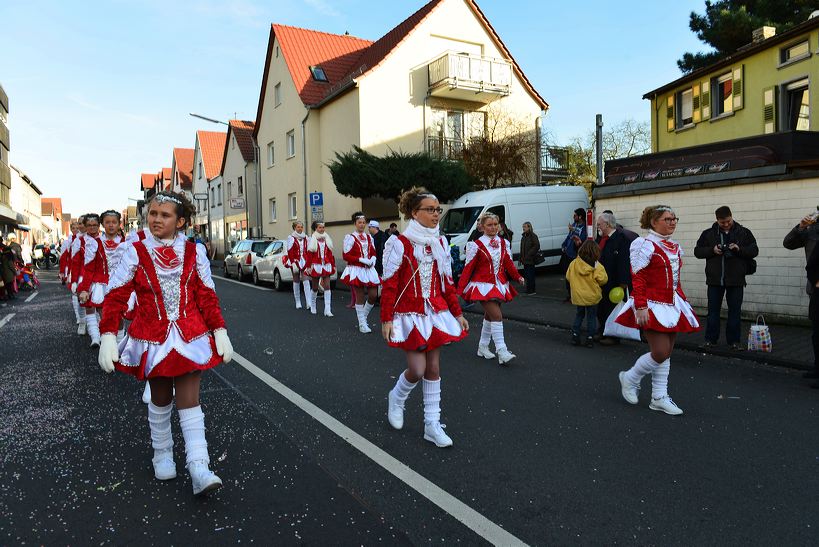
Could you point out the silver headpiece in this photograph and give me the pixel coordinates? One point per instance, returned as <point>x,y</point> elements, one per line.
<point>162,198</point>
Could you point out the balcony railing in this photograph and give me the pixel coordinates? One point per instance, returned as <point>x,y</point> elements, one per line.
<point>445,149</point>
<point>470,77</point>
<point>554,163</point>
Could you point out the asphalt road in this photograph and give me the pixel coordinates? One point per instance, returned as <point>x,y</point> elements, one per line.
<point>545,449</point>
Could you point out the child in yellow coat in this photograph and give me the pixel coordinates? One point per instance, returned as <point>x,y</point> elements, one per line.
<point>586,276</point>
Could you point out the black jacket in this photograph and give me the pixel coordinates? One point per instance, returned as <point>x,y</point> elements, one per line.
<point>806,238</point>
<point>615,258</point>
<point>529,248</point>
<point>379,239</point>
<point>729,268</point>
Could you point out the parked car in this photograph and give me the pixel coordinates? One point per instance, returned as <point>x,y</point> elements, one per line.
<point>548,208</point>
<point>270,269</point>
<point>243,256</point>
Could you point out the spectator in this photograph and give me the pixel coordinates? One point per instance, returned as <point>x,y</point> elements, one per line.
<point>529,254</point>
<point>806,234</point>
<point>812,269</point>
<point>8,270</point>
<point>630,235</point>
<point>570,245</point>
<point>505,232</point>
<point>586,275</point>
<point>379,239</point>
<point>728,249</point>
<point>15,247</point>
<point>393,231</point>
<point>614,256</point>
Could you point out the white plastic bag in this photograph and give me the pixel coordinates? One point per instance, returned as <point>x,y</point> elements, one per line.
<point>617,330</point>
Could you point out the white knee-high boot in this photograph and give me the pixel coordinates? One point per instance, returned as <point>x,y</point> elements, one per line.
<point>395,401</point>
<point>327,303</point>
<point>92,323</point>
<point>433,430</point>
<point>361,314</point>
<point>297,294</point>
<point>192,421</point>
<point>75,303</point>
<point>486,337</point>
<point>504,355</point>
<point>313,298</point>
<point>159,420</point>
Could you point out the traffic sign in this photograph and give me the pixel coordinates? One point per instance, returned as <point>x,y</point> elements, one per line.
<point>316,199</point>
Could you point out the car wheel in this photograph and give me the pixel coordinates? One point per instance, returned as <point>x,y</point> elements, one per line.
<point>255,276</point>
<point>239,274</point>
<point>225,269</point>
<point>277,281</point>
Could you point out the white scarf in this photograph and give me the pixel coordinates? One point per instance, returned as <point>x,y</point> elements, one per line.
<point>314,239</point>
<point>298,236</point>
<point>420,235</point>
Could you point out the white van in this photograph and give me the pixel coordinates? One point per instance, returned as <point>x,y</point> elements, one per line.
<point>548,208</point>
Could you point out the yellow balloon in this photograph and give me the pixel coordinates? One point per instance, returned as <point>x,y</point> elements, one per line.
<point>616,295</point>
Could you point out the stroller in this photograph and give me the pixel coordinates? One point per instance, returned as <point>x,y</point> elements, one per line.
<point>26,278</point>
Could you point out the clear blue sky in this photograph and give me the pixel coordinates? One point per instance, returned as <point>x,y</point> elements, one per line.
<point>100,91</point>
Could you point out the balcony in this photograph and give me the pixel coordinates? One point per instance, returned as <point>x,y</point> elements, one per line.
<point>554,164</point>
<point>445,149</point>
<point>469,77</point>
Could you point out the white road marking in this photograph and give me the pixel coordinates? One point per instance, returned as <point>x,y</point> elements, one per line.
<point>6,319</point>
<point>220,278</point>
<point>473,520</point>
<point>30,298</point>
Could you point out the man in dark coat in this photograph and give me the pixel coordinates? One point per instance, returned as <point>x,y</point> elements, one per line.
<point>379,239</point>
<point>614,256</point>
<point>806,235</point>
<point>728,249</point>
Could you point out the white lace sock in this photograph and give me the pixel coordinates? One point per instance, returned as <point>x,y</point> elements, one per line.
<point>496,328</point>
<point>659,380</point>
<point>486,334</point>
<point>75,303</point>
<point>192,421</point>
<point>327,301</point>
<point>159,420</point>
<point>297,294</point>
<point>403,387</point>
<point>92,323</point>
<point>432,401</point>
<point>644,365</point>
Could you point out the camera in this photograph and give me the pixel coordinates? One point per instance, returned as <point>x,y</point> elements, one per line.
<point>726,251</point>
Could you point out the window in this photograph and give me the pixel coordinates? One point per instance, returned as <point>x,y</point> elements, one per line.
<point>271,156</point>
<point>794,52</point>
<point>273,210</point>
<point>291,199</point>
<point>277,52</point>
<point>277,94</point>
<point>318,74</point>
<point>723,98</point>
<point>240,188</point>
<point>685,108</point>
<point>797,106</point>
<point>212,198</point>
<point>291,143</point>
<point>219,193</point>
<point>229,189</point>
<point>200,169</point>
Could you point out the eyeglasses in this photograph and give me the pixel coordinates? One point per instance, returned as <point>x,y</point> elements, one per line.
<point>671,220</point>
<point>431,210</point>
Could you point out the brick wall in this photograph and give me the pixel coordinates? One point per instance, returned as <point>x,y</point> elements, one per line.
<point>768,209</point>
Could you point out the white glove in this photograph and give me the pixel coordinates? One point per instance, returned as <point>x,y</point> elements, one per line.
<point>369,261</point>
<point>223,345</point>
<point>73,288</point>
<point>109,353</point>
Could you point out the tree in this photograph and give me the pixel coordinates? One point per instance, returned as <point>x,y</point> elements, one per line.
<point>727,25</point>
<point>360,174</point>
<point>624,139</point>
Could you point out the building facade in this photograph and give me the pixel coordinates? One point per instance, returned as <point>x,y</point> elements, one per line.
<point>429,84</point>
<point>8,218</point>
<point>181,172</point>
<point>25,200</point>
<point>240,210</point>
<point>207,161</point>
<point>52,217</point>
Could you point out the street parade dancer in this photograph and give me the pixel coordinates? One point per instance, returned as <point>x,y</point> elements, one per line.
<point>320,265</point>
<point>65,267</point>
<point>177,332</point>
<point>419,309</point>
<point>100,255</point>
<point>90,222</point>
<point>485,279</point>
<point>657,305</point>
<point>360,273</point>
<point>296,258</point>
<point>131,237</point>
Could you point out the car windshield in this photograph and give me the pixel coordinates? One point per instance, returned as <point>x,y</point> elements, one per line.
<point>460,220</point>
<point>260,246</point>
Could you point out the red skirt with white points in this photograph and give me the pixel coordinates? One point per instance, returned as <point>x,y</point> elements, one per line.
<point>416,332</point>
<point>677,317</point>
<point>174,357</point>
<point>476,291</point>
<point>360,276</point>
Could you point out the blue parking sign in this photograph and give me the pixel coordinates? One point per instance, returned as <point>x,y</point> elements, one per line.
<point>316,199</point>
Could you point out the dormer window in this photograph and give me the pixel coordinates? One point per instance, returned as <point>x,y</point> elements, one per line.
<point>318,74</point>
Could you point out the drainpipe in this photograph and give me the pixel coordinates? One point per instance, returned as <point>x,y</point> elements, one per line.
<point>304,164</point>
<point>258,177</point>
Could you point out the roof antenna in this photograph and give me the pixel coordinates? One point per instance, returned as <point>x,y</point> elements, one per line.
<point>346,33</point>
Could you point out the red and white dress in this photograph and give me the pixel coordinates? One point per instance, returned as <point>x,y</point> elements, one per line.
<point>359,254</point>
<point>65,258</point>
<point>319,259</point>
<point>655,271</point>
<point>77,261</point>
<point>296,252</point>
<point>487,271</point>
<point>137,235</point>
<point>101,257</point>
<point>418,294</point>
<point>177,310</point>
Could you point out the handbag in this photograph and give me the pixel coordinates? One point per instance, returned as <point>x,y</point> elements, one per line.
<point>615,329</point>
<point>539,259</point>
<point>759,336</point>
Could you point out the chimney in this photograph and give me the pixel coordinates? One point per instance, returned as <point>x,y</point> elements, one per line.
<point>763,33</point>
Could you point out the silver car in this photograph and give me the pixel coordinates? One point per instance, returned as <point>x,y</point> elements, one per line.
<point>243,256</point>
<point>269,267</point>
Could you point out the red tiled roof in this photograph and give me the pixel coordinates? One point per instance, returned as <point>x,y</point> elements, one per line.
<point>184,166</point>
<point>148,181</point>
<point>166,173</point>
<point>212,145</point>
<point>242,130</point>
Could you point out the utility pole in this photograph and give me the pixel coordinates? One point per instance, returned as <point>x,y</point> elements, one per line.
<point>598,137</point>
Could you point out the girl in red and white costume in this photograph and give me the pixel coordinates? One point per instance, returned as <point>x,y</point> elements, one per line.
<point>296,261</point>
<point>657,305</point>
<point>75,260</point>
<point>101,257</point>
<point>177,332</point>
<point>91,221</point>
<point>419,309</point>
<point>65,267</point>
<point>320,264</point>
<point>485,279</point>
<point>360,273</point>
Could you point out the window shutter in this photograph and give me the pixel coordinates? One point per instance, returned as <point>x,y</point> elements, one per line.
<point>769,109</point>
<point>705,100</point>
<point>669,113</point>
<point>737,88</point>
<point>695,103</point>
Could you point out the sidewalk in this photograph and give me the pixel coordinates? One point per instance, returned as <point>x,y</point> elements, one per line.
<point>791,344</point>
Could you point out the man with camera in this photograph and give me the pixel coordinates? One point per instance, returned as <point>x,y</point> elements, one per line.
<point>729,250</point>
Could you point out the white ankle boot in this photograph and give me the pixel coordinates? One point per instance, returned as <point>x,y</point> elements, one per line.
<point>434,433</point>
<point>164,466</point>
<point>504,356</point>
<point>204,480</point>
<point>395,411</point>
<point>483,351</point>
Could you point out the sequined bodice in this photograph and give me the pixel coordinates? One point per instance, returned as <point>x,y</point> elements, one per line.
<point>495,252</point>
<point>365,245</point>
<point>673,257</point>
<point>169,282</point>
<point>426,264</point>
